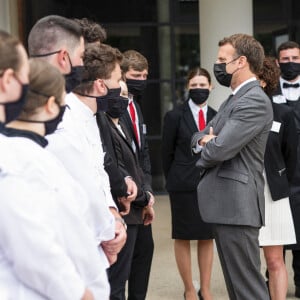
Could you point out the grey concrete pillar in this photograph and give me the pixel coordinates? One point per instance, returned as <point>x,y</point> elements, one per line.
<point>9,16</point>
<point>217,19</point>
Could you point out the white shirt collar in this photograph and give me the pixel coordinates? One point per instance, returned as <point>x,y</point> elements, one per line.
<point>195,108</point>
<point>130,98</point>
<point>195,111</point>
<point>291,94</point>
<point>81,110</point>
<point>242,84</point>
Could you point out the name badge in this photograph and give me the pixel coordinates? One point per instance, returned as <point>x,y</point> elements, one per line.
<point>144,128</point>
<point>279,99</point>
<point>276,126</point>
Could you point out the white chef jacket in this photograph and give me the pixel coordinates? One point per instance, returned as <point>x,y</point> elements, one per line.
<point>78,145</point>
<point>69,214</point>
<point>32,264</point>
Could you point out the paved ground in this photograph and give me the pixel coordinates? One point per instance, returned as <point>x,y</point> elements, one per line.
<point>165,283</point>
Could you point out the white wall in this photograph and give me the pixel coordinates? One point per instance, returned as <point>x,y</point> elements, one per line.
<point>220,18</point>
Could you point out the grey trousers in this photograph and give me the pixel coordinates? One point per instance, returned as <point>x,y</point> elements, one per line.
<point>239,255</point>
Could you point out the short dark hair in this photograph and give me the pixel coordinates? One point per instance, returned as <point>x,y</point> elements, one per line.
<point>99,62</point>
<point>135,60</point>
<point>9,53</point>
<point>51,32</point>
<point>92,31</point>
<point>287,45</point>
<point>246,45</point>
<point>198,71</point>
<point>270,74</point>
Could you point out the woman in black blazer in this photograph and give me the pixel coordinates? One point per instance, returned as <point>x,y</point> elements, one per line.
<point>280,162</point>
<point>182,178</point>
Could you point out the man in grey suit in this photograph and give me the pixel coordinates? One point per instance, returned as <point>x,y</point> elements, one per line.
<point>231,190</point>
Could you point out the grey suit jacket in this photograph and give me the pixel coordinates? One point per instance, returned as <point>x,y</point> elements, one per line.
<point>231,190</point>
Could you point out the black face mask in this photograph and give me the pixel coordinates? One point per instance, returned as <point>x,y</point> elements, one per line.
<point>290,70</point>
<point>136,87</point>
<point>221,74</point>
<point>74,78</point>
<point>198,96</point>
<point>117,107</point>
<point>13,109</point>
<point>50,125</point>
<point>103,101</point>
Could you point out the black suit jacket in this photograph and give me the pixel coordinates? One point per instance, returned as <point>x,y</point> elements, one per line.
<point>115,173</point>
<point>179,164</point>
<point>143,151</point>
<point>281,152</point>
<point>127,159</point>
<point>295,107</point>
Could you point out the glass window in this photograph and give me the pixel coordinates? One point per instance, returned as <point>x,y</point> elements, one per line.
<point>274,19</point>
<point>187,53</point>
<point>185,11</point>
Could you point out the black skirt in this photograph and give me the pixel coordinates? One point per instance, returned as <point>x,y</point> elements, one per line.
<point>187,223</point>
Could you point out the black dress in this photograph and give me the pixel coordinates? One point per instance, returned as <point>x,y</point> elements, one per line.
<point>182,176</point>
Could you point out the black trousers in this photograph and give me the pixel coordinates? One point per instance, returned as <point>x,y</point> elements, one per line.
<point>133,264</point>
<point>141,264</point>
<point>296,267</point>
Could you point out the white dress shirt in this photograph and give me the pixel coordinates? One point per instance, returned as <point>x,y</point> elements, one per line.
<point>195,111</point>
<point>290,93</point>
<point>67,212</point>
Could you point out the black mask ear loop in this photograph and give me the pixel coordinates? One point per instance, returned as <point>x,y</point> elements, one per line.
<point>45,54</point>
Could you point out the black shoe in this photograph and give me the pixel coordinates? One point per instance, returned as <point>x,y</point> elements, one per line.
<point>200,296</point>
<point>297,292</point>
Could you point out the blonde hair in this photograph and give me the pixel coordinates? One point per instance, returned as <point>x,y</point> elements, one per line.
<point>44,81</point>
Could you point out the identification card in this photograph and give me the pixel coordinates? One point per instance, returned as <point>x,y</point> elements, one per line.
<point>279,99</point>
<point>276,126</point>
<point>144,127</point>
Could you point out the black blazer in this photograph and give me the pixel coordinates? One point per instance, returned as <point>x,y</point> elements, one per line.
<point>128,160</point>
<point>115,173</point>
<point>143,151</point>
<point>179,164</point>
<point>281,152</point>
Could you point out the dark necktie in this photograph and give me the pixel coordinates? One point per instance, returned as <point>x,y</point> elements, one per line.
<point>290,85</point>
<point>133,119</point>
<point>201,120</point>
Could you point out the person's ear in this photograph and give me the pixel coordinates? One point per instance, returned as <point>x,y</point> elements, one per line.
<point>51,106</point>
<point>63,61</point>
<point>100,87</point>
<point>277,62</point>
<point>6,78</point>
<point>242,61</point>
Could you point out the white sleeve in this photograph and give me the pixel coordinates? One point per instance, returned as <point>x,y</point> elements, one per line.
<point>60,144</point>
<point>30,244</point>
